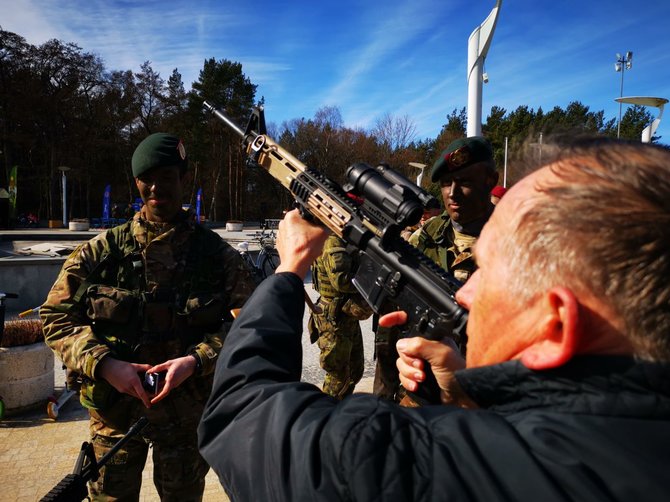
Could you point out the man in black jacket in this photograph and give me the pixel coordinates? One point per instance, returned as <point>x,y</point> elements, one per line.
<point>566,391</point>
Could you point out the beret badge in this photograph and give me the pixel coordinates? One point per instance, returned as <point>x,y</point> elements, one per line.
<point>458,158</point>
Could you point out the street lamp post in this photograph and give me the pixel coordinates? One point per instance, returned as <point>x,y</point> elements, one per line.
<point>622,64</point>
<point>63,170</point>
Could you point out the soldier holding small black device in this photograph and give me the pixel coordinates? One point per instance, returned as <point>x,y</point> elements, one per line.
<point>140,312</point>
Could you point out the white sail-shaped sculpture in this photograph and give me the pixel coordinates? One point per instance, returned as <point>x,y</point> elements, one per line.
<point>647,132</point>
<point>478,47</point>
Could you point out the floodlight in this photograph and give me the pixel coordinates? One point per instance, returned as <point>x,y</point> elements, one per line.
<point>621,65</point>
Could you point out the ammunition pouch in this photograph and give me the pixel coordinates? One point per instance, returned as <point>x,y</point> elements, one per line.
<point>357,308</point>
<point>156,314</point>
<point>331,307</point>
<point>332,311</point>
<point>317,323</point>
<point>115,316</point>
<point>157,311</point>
<point>110,304</point>
<point>158,319</point>
<point>349,305</point>
<point>130,322</point>
<point>205,311</point>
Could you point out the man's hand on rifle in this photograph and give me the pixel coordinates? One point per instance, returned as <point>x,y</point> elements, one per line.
<point>299,243</point>
<point>443,357</point>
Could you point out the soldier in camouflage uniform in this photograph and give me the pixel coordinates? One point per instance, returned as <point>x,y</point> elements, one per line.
<point>152,295</point>
<point>337,329</point>
<point>466,173</point>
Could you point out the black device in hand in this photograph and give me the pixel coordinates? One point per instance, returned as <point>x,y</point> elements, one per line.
<point>151,381</point>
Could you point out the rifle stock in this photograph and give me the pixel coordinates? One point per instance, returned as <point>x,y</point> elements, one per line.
<point>391,271</point>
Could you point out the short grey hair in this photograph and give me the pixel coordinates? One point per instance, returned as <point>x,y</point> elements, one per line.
<point>602,226</point>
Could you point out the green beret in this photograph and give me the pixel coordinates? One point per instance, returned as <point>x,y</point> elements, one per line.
<point>159,150</point>
<point>460,154</point>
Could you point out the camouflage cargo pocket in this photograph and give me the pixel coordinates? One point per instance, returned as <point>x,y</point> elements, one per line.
<point>106,303</point>
<point>357,308</point>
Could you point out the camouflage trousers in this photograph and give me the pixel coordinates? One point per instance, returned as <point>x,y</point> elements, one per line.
<point>341,346</point>
<point>179,470</point>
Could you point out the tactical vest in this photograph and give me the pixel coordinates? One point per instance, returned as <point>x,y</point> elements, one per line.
<point>435,240</point>
<point>127,317</point>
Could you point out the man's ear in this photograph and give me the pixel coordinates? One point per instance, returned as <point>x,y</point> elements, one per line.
<point>557,342</point>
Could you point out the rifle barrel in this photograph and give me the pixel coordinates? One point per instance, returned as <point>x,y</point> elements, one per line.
<point>221,116</point>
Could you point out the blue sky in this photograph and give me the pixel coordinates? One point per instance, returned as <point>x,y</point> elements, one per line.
<point>371,58</point>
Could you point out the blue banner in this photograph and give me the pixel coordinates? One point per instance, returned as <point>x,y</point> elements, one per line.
<point>106,202</point>
<point>198,201</point>
<point>12,190</point>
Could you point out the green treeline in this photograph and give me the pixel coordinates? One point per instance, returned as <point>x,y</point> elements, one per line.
<point>60,106</point>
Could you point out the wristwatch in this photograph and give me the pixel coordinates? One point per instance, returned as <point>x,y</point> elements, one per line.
<point>198,363</point>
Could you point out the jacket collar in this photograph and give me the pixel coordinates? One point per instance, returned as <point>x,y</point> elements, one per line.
<point>591,384</point>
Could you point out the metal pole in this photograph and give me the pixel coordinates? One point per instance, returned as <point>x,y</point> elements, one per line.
<point>505,167</point>
<point>624,63</point>
<point>623,70</point>
<point>64,179</point>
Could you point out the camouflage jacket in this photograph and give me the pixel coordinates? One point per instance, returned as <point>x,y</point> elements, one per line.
<point>435,239</point>
<point>170,285</point>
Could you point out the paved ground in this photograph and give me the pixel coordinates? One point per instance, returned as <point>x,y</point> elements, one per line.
<point>37,452</point>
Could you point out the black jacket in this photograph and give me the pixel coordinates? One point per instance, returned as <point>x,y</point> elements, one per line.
<point>597,429</point>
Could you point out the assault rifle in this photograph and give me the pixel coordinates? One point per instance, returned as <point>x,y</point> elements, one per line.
<point>72,488</point>
<point>391,271</point>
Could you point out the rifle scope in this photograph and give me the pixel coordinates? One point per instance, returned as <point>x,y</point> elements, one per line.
<point>395,199</point>
<point>428,201</point>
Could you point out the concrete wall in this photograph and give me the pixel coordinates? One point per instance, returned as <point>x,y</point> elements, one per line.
<point>30,278</point>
